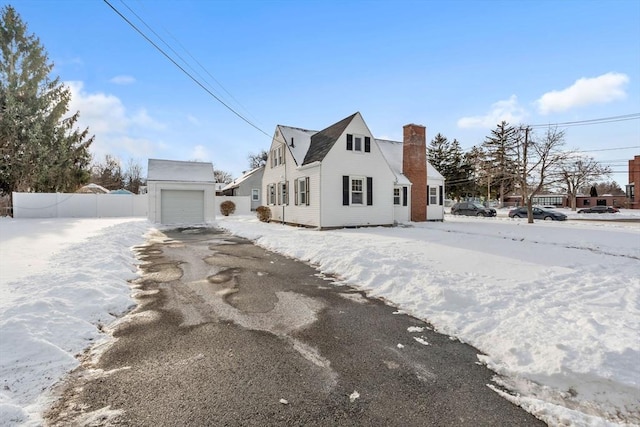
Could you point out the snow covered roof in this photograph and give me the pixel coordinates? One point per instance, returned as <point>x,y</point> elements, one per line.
<point>392,152</point>
<point>175,170</point>
<point>311,146</point>
<point>93,189</point>
<point>236,182</point>
<point>433,173</point>
<point>301,141</point>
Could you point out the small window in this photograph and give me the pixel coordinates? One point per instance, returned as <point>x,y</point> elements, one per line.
<point>357,143</point>
<point>271,189</point>
<point>283,196</point>
<point>433,196</point>
<point>396,196</point>
<point>356,191</point>
<point>302,191</point>
<point>255,194</point>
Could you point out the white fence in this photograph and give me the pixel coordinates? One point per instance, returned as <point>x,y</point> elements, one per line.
<point>73,205</point>
<point>243,204</point>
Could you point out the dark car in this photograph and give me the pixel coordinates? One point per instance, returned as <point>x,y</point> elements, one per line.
<point>599,209</point>
<point>472,209</point>
<point>538,213</point>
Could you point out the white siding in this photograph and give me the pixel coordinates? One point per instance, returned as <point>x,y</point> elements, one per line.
<point>155,198</point>
<point>435,212</point>
<point>303,215</point>
<point>338,162</point>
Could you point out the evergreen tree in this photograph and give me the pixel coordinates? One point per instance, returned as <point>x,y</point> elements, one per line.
<point>499,163</point>
<point>448,159</point>
<point>40,148</point>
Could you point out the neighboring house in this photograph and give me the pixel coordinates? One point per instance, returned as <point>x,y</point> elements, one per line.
<point>342,176</point>
<point>248,184</point>
<point>180,192</point>
<point>92,189</point>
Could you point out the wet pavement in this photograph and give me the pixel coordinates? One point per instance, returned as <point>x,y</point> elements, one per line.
<point>229,334</point>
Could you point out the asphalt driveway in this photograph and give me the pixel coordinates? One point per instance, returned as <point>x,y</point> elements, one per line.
<point>229,334</point>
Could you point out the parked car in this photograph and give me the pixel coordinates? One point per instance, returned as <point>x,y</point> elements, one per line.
<point>472,209</point>
<point>599,209</point>
<point>538,213</point>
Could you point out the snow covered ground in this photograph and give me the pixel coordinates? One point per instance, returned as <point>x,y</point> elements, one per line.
<point>554,306</point>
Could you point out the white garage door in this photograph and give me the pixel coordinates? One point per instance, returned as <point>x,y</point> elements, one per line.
<point>181,206</point>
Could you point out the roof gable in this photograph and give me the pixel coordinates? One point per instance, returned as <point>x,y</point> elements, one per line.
<point>175,170</point>
<point>323,141</point>
<point>301,139</point>
<point>236,182</point>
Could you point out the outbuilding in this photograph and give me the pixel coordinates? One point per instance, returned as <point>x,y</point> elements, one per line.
<point>180,192</point>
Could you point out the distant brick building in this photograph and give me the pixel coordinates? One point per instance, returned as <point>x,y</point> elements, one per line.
<point>634,183</point>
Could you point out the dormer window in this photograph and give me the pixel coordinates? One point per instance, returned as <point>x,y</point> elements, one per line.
<point>277,156</point>
<point>358,143</point>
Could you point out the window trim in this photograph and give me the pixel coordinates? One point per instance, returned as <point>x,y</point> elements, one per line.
<point>255,194</point>
<point>366,190</point>
<point>302,191</point>
<point>271,194</point>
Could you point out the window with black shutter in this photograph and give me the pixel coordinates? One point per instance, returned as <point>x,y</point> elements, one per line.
<point>367,144</point>
<point>349,142</point>
<point>345,190</point>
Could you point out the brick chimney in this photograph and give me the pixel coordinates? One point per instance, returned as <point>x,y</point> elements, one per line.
<point>414,167</point>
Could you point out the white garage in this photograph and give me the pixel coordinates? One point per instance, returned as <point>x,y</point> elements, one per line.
<point>180,192</point>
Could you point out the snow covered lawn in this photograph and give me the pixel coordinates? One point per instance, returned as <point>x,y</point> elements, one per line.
<point>554,306</point>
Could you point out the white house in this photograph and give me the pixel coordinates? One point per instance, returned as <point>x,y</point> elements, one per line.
<point>342,176</point>
<point>248,184</point>
<point>180,192</point>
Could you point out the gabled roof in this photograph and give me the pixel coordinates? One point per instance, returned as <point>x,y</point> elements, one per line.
<point>301,141</point>
<point>174,170</point>
<point>236,182</point>
<point>323,141</point>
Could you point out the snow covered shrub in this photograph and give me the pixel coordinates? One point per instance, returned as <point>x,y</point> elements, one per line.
<point>227,207</point>
<point>263,213</point>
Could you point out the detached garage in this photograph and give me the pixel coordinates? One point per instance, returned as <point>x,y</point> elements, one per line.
<point>180,192</point>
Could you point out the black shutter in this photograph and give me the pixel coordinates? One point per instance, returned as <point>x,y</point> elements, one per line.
<point>350,142</point>
<point>369,191</point>
<point>306,189</point>
<point>440,191</point>
<point>404,196</point>
<point>345,190</point>
<point>367,144</point>
<point>428,195</point>
<point>295,191</point>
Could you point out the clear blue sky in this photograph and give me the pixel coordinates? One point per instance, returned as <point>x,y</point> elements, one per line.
<point>457,67</point>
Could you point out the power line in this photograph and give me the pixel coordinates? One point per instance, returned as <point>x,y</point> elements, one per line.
<point>602,120</point>
<point>196,81</point>
<point>183,59</point>
<point>609,149</point>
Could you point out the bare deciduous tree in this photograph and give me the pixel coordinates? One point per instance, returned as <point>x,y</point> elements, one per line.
<point>576,172</point>
<point>258,160</point>
<point>537,160</point>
